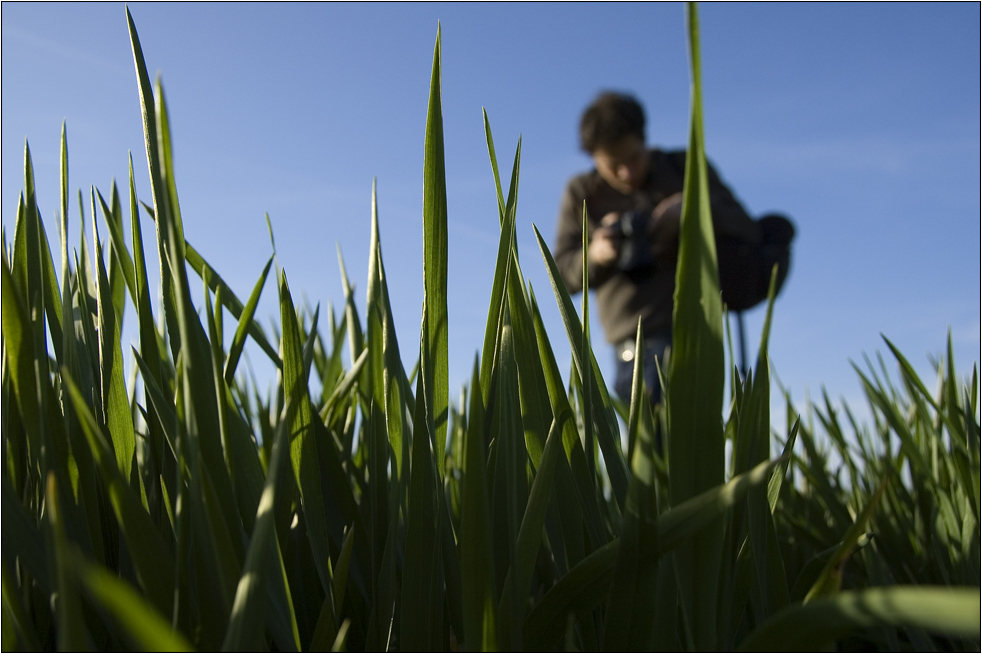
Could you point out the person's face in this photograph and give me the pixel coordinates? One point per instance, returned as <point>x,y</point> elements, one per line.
<point>623,165</point>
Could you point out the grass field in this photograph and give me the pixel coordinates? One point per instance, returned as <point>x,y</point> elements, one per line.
<point>193,510</point>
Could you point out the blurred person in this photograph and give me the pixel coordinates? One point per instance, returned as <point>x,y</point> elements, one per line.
<point>633,201</point>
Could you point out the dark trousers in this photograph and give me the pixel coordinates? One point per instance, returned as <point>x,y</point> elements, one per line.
<point>653,347</point>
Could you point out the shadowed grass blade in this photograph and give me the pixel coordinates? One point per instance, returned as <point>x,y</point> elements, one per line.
<point>422,587</point>
<point>475,531</point>
<point>153,563</point>
<point>246,622</point>
<point>601,406</point>
<point>143,626</point>
<point>587,584</point>
<point>631,602</point>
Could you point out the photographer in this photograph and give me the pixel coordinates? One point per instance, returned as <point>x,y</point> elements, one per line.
<point>633,201</point>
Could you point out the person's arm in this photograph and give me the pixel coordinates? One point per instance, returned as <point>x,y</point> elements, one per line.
<point>602,251</point>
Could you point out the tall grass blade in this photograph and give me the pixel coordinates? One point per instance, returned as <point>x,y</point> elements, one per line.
<point>434,366</point>
<point>696,378</point>
<point>116,405</point>
<point>157,187</point>
<point>303,446</point>
<point>245,324</point>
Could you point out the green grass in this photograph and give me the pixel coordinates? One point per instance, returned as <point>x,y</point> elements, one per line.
<point>204,513</point>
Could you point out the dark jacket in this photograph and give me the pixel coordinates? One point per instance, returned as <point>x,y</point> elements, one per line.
<point>622,296</point>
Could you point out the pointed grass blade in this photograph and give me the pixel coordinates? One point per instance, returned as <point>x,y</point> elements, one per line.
<point>245,324</point>
<point>303,447</point>
<point>231,302</point>
<point>144,627</point>
<point>696,378</point>
<point>434,366</point>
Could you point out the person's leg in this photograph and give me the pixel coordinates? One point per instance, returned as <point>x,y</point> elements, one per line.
<point>653,347</point>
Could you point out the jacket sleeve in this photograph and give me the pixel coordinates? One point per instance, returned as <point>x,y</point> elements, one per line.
<point>568,251</point>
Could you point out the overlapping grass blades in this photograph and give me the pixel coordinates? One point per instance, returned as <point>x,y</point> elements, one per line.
<point>170,520</point>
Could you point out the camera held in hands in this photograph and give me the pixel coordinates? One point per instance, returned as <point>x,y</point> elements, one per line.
<point>635,250</point>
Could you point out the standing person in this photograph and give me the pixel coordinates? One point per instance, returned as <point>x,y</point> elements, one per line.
<point>634,203</point>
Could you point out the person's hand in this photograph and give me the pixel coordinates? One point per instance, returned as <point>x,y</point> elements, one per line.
<point>605,246</point>
<point>664,227</point>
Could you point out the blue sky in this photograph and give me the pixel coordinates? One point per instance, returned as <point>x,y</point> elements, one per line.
<point>860,121</point>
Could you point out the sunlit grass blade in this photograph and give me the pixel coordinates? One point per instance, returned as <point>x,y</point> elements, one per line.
<point>149,346</point>
<point>19,359</point>
<point>157,186</point>
<point>303,447</point>
<point>395,385</point>
<point>818,624</point>
<point>116,406</point>
<point>114,223</point>
<point>502,270</point>
<point>42,285</point>
<point>433,366</point>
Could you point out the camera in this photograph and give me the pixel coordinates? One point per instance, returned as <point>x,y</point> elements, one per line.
<point>635,252</point>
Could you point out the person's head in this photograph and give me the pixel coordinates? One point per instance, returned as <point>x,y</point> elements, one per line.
<point>612,133</point>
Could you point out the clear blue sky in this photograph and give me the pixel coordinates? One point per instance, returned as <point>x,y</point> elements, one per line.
<point>860,121</point>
